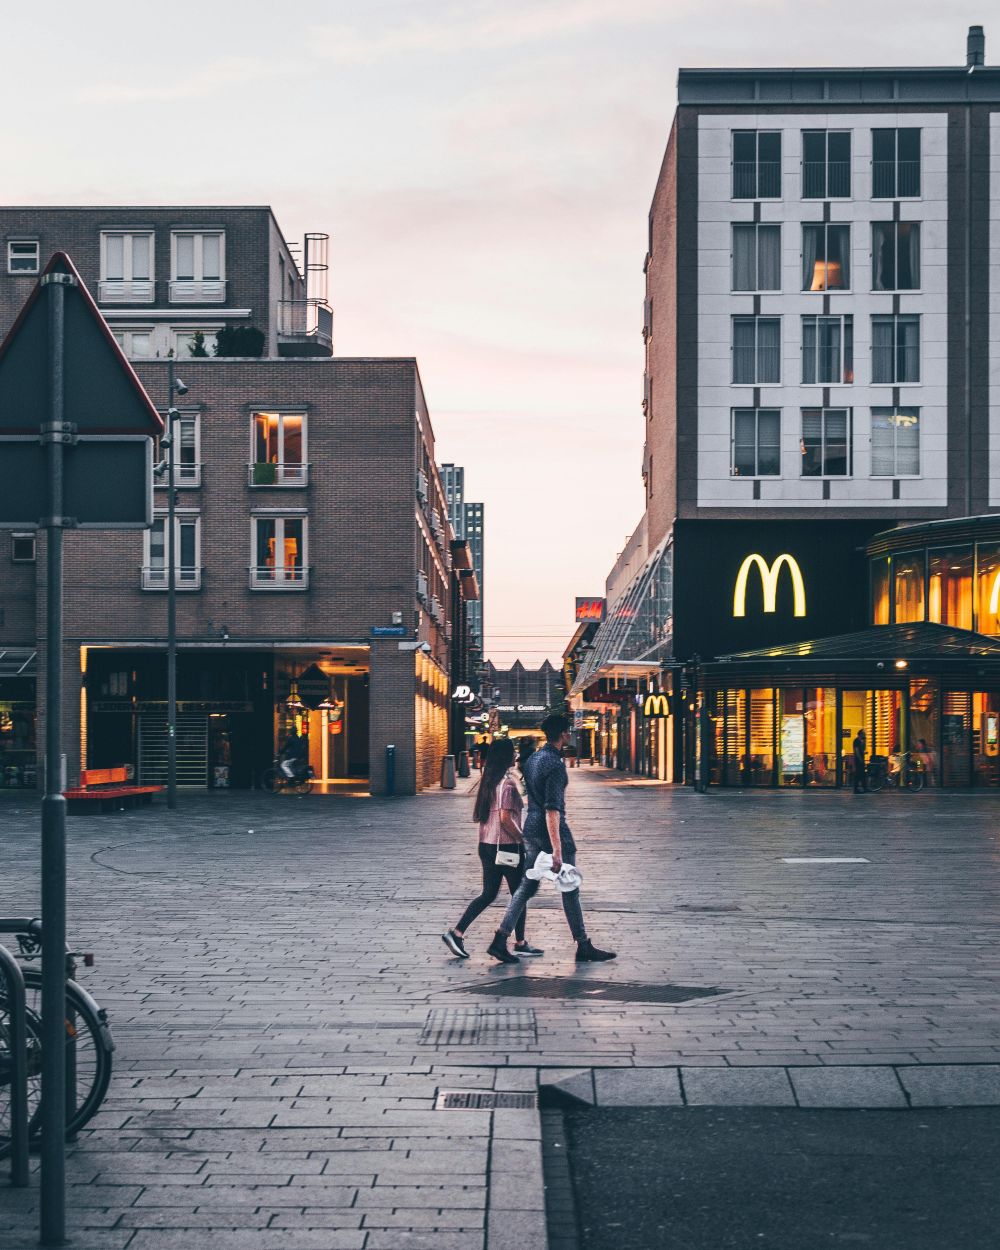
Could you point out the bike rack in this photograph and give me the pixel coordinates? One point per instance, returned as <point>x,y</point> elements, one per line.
<point>18,1069</point>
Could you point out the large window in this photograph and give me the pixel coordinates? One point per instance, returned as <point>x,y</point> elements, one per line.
<point>126,267</point>
<point>895,349</point>
<point>756,351</point>
<point>756,257</point>
<point>198,266</point>
<point>136,344</point>
<point>988,588</point>
<point>187,554</point>
<point>949,586</point>
<point>895,255</point>
<point>826,164</point>
<point>279,449</point>
<point>827,350</point>
<point>826,257</point>
<point>908,569</point>
<point>756,164</point>
<point>23,256</point>
<point>756,442</point>
<point>826,442</point>
<point>895,163</point>
<point>880,569</point>
<point>279,553</point>
<point>895,442</point>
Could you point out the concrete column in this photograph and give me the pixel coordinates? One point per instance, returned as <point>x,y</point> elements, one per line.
<point>392,714</point>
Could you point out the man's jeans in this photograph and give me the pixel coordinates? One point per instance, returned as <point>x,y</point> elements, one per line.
<point>528,888</point>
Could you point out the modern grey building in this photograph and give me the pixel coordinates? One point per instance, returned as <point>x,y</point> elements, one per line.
<point>473,535</point>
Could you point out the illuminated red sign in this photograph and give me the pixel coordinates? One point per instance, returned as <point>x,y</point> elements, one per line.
<point>590,609</point>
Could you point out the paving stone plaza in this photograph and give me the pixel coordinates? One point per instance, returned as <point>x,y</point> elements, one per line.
<point>286,1015</point>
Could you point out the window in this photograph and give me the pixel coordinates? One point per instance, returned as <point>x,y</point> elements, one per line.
<point>756,442</point>
<point>756,351</point>
<point>756,164</point>
<point>187,554</point>
<point>198,266</point>
<point>895,255</point>
<point>826,442</point>
<point>187,343</point>
<point>23,256</point>
<point>756,257</point>
<point>826,257</point>
<point>826,164</point>
<point>279,445</point>
<point>827,350</point>
<point>22,548</point>
<point>908,579</point>
<point>895,163</point>
<point>949,587</point>
<point>136,344</point>
<point>895,349</point>
<point>988,598</point>
<point>279,553</point>
<point>126,267</point>
<point>895,442</point>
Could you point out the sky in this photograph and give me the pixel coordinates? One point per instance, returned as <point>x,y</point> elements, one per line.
<point>484,169</point>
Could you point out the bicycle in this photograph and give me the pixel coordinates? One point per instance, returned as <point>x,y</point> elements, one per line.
<point>275,781</point>
<point>909,775</point>
<point>89,1044</point>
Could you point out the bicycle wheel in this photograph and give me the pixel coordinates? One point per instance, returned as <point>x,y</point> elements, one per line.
<point>89,1047</point>
<point>299,785</point>
<point>33,1041</point>
<point>915,779</point>
<point>876,780</point>
<point>269,779</point>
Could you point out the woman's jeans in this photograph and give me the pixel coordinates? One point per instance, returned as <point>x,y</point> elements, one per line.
<point>528,888</point>
<point>494,875</point>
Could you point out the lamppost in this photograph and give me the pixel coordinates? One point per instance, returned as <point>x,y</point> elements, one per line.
<point>174,387</point>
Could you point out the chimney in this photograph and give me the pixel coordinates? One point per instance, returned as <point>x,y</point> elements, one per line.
<point>975,47</point>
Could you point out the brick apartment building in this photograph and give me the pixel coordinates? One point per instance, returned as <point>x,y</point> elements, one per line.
<point>310,522</point>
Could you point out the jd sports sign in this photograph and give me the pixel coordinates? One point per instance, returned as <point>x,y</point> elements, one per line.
<point>769,574</point>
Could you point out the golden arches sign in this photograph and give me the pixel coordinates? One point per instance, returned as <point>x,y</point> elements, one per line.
<point>769,574</point>
<point>656,705</point>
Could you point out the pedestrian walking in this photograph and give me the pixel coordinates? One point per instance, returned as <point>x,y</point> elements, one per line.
<point>860,767</point>
<point>546,829</point>
<point>501,849</point>
<point>482,748</point>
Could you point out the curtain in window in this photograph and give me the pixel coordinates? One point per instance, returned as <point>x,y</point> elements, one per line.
<point>812,442</point>
<point>744,442</point>
<point>769,258</point>
<point>908,443</point>
<point>114,257</point>
<point>744,356</point>
<point>908,255</point>
<point>829,349</point>
<point>140,256</point>
<point>744,258</point>
<point>768,350</point>
<point>883,256</point>
<point>908,349</point>
<point>769,442</point>
<point>838,258</point>
<point>809,350</point>
<point>836,449</point>
<point>811,237</point>
<point>211,256</point>
<point>883,350</point>
<point>883,443</point>
<point>185,257</point>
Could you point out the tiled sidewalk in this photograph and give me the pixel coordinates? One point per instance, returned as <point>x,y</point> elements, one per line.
<point>271,965</point>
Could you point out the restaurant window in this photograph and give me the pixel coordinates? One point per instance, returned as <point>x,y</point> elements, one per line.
<point>760,758</point>
<point>756,164</point>
<point>791,737</point>
<point>731,717</point>
<point>895,442</point>
<point>988,589</point>
<point>827,350</point>
<point>956,743</point>
<point>985,739</point>
<point>924,727</point>
<point>756,442</point>
<point>820,737</point>
<point>826,257</point>
<point>756,257</point>
<point>826,442</point>
<point>826,164</point>
<point>895,255</point>
<point>949,587</point>
<point>895,163</point>
<point>853,716</point>
<point>756,351</point>
<point>895,349</point>
<point>908,572</point>
<point>880,570</point>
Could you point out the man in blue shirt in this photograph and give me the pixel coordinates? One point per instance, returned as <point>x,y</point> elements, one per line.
<point>545,829</point>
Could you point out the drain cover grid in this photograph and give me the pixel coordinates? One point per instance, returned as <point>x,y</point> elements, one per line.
<point>490,1027</point>
<point>483,1100</point>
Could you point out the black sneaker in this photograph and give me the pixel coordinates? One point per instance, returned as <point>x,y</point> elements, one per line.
<point>525,948</point>
<point>498,949</point>
<point>588,953</point>
<point>455,944</point>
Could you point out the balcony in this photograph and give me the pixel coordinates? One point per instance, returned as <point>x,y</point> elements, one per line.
<point>126,291</point>
<point>753,180</point>
<point>269,473</point>
<point>154,577</point>
<point>282,577</point>
<point>197,291</point>
<point>185,475</point>
<point>305,327</point>
<point>893,180</point>
<point>826,180</point>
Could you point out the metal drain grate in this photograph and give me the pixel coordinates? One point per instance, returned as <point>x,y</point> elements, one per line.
<point>496,1028</point>
<point>583,989</point>
<point>483,1100</point>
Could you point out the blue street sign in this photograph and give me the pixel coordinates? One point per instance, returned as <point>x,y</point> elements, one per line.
<point>389,631</point>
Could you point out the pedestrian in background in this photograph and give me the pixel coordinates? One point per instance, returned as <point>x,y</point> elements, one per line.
<point>497,811</point>
<point>860,766</point>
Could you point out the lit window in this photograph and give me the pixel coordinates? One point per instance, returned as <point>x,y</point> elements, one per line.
<point>279,553</point>
<point>908,575</point>
<point>826,257</point>
<point>279,449</point>
<point>23,256</point>
<point>949,587</point>
<point>895,442</point>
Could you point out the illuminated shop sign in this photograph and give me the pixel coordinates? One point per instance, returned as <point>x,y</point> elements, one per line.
<point>590,609</point>
<point>464,694</point>
<point>769,574</point>
<point>656,705</point>
<point>520,707</point>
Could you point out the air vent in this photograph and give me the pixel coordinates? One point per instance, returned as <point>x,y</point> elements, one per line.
<point>483,1100</point>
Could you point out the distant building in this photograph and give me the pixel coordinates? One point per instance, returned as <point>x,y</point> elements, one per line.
<point>453,482</point>
<point>524,696</point>
<point>473,534</point>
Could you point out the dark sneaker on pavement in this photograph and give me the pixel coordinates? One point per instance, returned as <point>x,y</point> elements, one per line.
<point>526,948</point>
<point>588,953</point>
<point>455,944</point>
<point>498,949</point>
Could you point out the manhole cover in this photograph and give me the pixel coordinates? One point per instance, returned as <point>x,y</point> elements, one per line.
<point>483,1100</point>
<point>594,991</point>
<point>491,1027</point>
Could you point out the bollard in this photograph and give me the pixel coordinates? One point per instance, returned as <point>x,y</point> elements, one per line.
<point>448,772</point>
<point>390,770</point>
<point>464,769</point>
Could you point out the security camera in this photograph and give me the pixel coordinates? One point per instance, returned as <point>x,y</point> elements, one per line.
<point>179,387</point>
<point>425,647</point>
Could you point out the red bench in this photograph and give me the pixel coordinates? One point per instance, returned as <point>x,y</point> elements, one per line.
<point>112,789</point>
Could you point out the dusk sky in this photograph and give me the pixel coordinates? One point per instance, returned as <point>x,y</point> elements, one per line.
<point>484,170</point>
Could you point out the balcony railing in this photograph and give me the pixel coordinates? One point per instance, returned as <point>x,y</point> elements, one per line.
<point>280,577</point>
<point>306,321</point>
<point>184,475</point>
<point>826,180</point>
<point>895,179</point>
<point>126,291</point>
<point>268,473</point>
<point>754,180</point>
<point>154,577</point>
<point>198,291</point>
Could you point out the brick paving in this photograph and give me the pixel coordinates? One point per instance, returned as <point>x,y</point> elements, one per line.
<point>270,966</point>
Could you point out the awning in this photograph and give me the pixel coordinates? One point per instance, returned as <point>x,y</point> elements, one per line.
<point>18,662</point>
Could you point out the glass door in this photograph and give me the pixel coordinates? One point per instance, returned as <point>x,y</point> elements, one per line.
<point>760,753</point>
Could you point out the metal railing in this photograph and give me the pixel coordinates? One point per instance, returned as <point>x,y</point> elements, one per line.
<point>187,577</point>
<point>279,577</point>
<point>306,319</point>
<point>754,180</point>
<point>274,473</point>
<point>126,291</point>
<point>823,180</point>
<point>17,1067</point>
<point>895,179</point>
<point>197,290</point>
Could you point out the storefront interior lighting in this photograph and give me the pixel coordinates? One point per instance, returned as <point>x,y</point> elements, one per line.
<point>293,702</point>
<point>902,663</point>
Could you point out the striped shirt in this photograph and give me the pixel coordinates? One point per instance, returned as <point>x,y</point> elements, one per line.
<point>507,799</point>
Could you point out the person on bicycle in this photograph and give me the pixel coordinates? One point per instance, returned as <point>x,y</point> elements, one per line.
<point>294,755</point>
<point>860,770</point>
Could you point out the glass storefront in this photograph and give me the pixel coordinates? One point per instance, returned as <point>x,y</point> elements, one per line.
<point>908,578</point>
<point>949,587</point>
<point>17,739</point>
<point>947,583</point>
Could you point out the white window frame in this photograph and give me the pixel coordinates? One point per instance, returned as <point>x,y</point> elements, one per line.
<point>824,411</point>
<point>756,318</point>
<point>884,409</point>
<point>123,337</point>
<point>895,318</point>
<point>745,408</point>
<point>895,163</point>
<point>199,289</point>
<point>180,334</point>
<point>127,289</point>
<point>826,132</point>
<point>19,536</point>
<point>288,474</point>
<point>826,227</point>
<point>897,289</point>
<point>23,273</point>
<point>158,581</point>
<point>279,580</point>
<point>755,226</point>
<point>844,319</point>
<point>186,477</point>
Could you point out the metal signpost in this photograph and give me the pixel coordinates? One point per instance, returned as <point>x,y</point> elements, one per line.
<point>76,432</point>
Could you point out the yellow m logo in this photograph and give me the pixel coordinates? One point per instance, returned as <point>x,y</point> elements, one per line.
<point>769,580</point>
<point>656,705</point>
